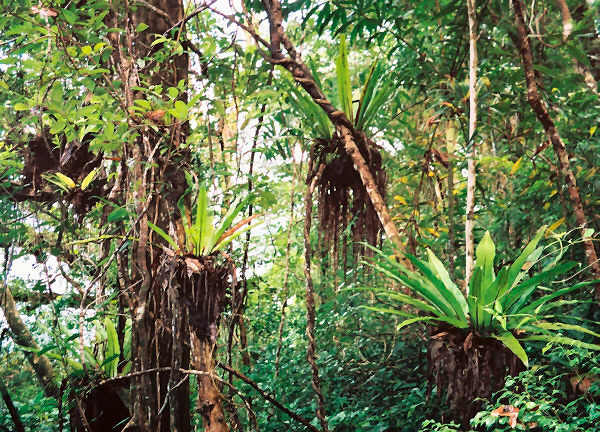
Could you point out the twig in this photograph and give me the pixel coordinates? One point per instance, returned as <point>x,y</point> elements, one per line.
<point>268,397</point>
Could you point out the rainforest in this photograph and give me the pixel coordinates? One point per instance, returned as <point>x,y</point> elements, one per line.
<point>299,215</point>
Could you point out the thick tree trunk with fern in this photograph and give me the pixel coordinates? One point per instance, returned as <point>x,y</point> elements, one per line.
<point>164,317</point>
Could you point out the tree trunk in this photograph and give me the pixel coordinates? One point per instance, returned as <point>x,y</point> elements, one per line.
<point>160,315</point>
<point>210,400</point>
<point>21,336</point>
<point>12,410</point>
<point>560,150</point>
<point>471,154</point>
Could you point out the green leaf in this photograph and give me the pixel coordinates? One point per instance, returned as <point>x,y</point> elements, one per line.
<point>485,252</point>
<point>562,340</point>
<point>57,126</point>
<point>164,235</point>
<point>315,117</point>
<point>201,217</point>
<point>412,280</point>
<point>112,352</point>
<point>456,301</point>
<point>141,27</point>
<point>403,298</point>
<point>509,340</point>
<point>342,71</point>
<point>235,208</point>
<point>520,295</point>
<point>443,274</point>
<point>563,326</point>
<point>181,110</point>
<point>516,267</point>
<point>388,311</point>
<point>232,237</point>
<point>539,303</point>
<point>143,103</point>
<point>70,17</point>
<point>117,214</point>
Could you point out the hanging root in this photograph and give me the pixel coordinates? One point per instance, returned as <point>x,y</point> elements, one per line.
<point>343,200</point>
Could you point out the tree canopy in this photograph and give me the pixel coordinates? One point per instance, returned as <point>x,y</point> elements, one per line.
<point>296,215</point>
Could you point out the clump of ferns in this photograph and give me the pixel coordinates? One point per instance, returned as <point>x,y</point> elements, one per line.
<point>343,200</point>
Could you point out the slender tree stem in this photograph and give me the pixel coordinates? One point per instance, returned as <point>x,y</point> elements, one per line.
<point>472,152</point>
<point>310,302</point>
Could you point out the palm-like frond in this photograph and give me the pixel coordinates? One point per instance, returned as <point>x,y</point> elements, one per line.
<point>204,235</point>
<point>498,306</point>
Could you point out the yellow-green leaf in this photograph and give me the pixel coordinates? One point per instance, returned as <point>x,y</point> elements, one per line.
<point>66,180</point>
<point>514,345</point>
<point>88,179</point>
<point>516,165</point>
<point>555,225</point>
<point>400,199</point>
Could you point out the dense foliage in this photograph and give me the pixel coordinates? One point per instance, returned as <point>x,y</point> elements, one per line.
<point>251,216</point>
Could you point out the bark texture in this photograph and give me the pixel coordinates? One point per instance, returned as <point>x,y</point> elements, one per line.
<point>471,155</point>
<point>12,410</point>
<point>163,319</point>
<point>206,283</point>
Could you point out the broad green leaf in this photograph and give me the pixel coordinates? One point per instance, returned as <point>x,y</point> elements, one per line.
<point>520,295</point>
<point>164,235</point>
<point>509,340</point>
<point>343,79</point>
<point>403,298</point>
<point>143,103</point>
<point>485,252</point>
<point>562,340</point>
<point>563,326</point>
<point>113,350</point>
<point>515,268</point>
<point>207,239</point>
<point>414,281</point>
<point>531,308</point>
<point>455,301</point>
<point>181,110</point>
<point>235,208</point>
<point>118,214</point>
<point>388,311</point>
<point>201,216</point>
<point>231,238</point>
<point>444,276</point>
